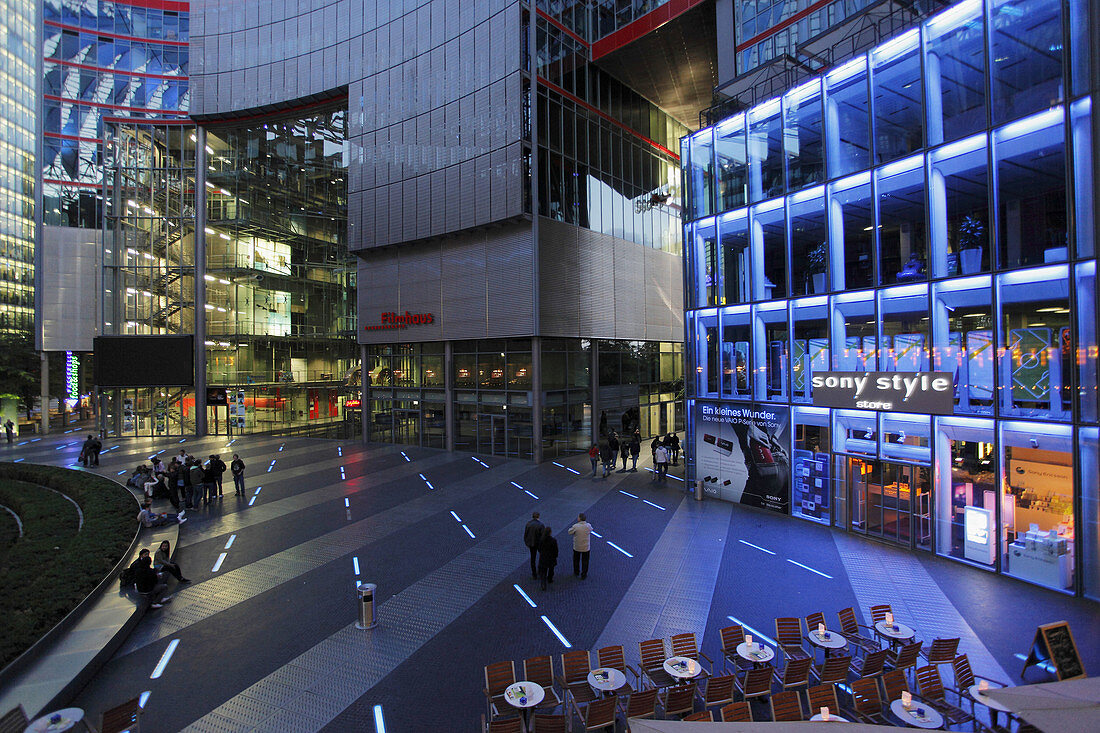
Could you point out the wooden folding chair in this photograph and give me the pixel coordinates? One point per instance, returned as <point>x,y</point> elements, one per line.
<point>823,696</point>
<point>853,631</point>
<point>833,670</point>
<point>678,700</point>
<point>686,645</point>
<point>540,670</point>
<point>737,712</point>
<point>756,682</point>
<point>867,702</point>
<point>705,716</point>
<point>612,657</point>
<point>931,689</point>
<point>575,666</point>
<point>786,706</point>
<point>732,636</point>
<point>788,634</point>
<point>121,718</point>
<point>652,654</point>
<point>498,676</point>
<point>14,721</point>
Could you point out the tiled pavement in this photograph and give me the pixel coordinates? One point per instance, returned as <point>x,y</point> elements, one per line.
<point>267,642</point>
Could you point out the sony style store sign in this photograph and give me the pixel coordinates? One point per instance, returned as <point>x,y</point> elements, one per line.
<point>925,393</point>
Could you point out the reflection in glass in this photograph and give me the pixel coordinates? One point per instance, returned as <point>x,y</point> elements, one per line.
<point>858,327</point>
<point>770,235</point>
<point>809,243</point>
<point>765,152</point>
<point>701,175</point>
<point>847,126</point>
<point>810,348</point>
<point>963,331</point>
<point>1037,363</point>
<point>958,199</point>
<point>734,254</point>
<point>802,141</point>
<point>775,377</point>
<point>852,224</point>
<point>737,351</point>
<point>1026,40</point>
<point>955,72</point>
<point>899,113</point>
<point>732,154</point>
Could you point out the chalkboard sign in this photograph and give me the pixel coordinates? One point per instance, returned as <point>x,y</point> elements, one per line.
<point>1054,643</point>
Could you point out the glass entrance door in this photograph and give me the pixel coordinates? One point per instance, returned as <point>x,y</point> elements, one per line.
<point>491,434</point>
<point>890,501</point>
<point>406,426</point>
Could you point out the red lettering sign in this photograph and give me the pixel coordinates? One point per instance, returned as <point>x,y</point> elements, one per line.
<point>400,320</point>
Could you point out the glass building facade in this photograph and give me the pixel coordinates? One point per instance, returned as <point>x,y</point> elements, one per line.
<point>927,206</point>
<point>103,59</point>
<point>18,88</point>
<point>275,306</point>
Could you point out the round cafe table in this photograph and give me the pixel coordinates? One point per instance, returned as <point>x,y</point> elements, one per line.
<point>68,718</point>
<point>833,718</point>
<point>896,633</point>
<point>919,715</point>
<point>995,708</point>
<point>829,642</point>
<point>682,668</point>
<point>758,654</point>
<point>524,695</point>
<point>606,679</point>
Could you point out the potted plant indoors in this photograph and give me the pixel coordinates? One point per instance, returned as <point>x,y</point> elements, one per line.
<point>816,262</point>
<point>971,236</point>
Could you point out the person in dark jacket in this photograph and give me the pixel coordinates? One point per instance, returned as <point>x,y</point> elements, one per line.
<point>237,468</point>
<point>653,448</point>
<point>635,449</point>
<point>613,442</point>
<point>147,582</point>
<point>532,535</point>
<point>674,447</point>
<point>218,466</point>
<point>198,488</point>
<point>171,478</point>
<point>607,458</point>
<point>548,556</point>
<point>165,563</point>
<point>210,477</point>
<point>624,452</point>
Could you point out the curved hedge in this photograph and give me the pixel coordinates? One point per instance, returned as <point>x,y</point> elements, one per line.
<point>47,572</point>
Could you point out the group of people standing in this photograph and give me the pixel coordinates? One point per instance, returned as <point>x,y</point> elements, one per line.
<point>197,482</point>
<point>543,546</point>
<point>606,454</point>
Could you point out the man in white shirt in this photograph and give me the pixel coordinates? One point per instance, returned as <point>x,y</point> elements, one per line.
<point>582,539</point>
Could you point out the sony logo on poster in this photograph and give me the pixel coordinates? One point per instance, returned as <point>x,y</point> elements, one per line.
<point>929,393</point>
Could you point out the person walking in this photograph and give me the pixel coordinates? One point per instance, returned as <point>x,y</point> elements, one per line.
<point>582,543</point>
<point>548,556</point>
<point>594,456</point>
<point>624,451</point>
<point>674,446</point>
<point>607,458</point>
<point>164,563</point>
<point>613,443</point>
<point>662,462</point>
<point>653,449</point>
<point>97,447</point>
<point>9,430</point>
<point>237,469</point>
<point>532,535</point>
<point>635,449</point>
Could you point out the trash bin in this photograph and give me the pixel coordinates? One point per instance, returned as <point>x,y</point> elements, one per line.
<point>699,490</point>
<point>367,617</point>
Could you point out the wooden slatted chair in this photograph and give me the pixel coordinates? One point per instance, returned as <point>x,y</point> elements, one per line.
<point>878,613</point>
<point>705,716</point>
<point>894,683</point>
<point>788,634</point>
<point>686,645</point>
<point>575,666</point>
<point>124,717</point>
<point>854,632</point>
<point>871,664</point>
<point>540,670</point>
<point>931,689</point>
<point>719,690</point>
<point>732,636</point>
<point>965,679</point>
<point>756,682</point>
<point>502,725</point>
<point>940,651</point>
<point>613,657</point>
<point>652,654</point>
<point>833,670</point>
<point>598,714</point>
<point>905,657</point>
<point>543,723</point>
<point>823,696</point>
<point>498,676</point>
<point>737,712</point>
<point>867,702</point>
<point>641,704</point>
<point>678,700</point>
<point>14,721</point>
<point>796,674</point>
<point>786,706</point>
<point>813,620</point>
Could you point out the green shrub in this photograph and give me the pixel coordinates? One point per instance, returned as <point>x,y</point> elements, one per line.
<point>47,572</point>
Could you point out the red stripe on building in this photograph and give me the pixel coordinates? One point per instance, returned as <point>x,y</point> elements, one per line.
<point>74,138</point>
<point>147,120</point>
<point>174,5</point>
<point>105,34</point>
<point>562,27</point>
<point>634,30</point>
<point>104,105</point>
<point>78,184</point>
<point>782,24</point>
<point>609,118</point>
<point>118,72</point>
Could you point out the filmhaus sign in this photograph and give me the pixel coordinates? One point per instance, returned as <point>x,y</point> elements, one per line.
<point>925,393</point>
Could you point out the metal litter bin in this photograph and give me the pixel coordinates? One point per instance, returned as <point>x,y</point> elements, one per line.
<point>699,490</point>
<point>367,617</point>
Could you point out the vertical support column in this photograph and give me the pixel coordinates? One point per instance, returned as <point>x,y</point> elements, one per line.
<point>594,386</point>
<point>449,394</point>
<point>536,398</point>
<point>364,394</point>
<point>44,417</point>
<point>200,281</point>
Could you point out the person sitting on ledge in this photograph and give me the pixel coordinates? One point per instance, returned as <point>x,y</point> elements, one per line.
<point>165,563</point>
<point>148,582</point>
<point>150,519</point>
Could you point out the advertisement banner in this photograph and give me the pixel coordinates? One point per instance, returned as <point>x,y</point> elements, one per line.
<point>742,453</point>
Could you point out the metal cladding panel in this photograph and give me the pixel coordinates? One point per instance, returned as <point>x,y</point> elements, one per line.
<point>475,285</point>
<point>70,265</point>
<point>593,285</point>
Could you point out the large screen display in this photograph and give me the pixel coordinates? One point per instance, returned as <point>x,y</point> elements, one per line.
<point>145,361</point>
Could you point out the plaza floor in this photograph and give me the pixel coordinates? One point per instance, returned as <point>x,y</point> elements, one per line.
<point>264,639</point>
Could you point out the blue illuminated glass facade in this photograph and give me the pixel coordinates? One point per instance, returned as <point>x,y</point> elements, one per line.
<point>103,59</point>
<point>925,206</point>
